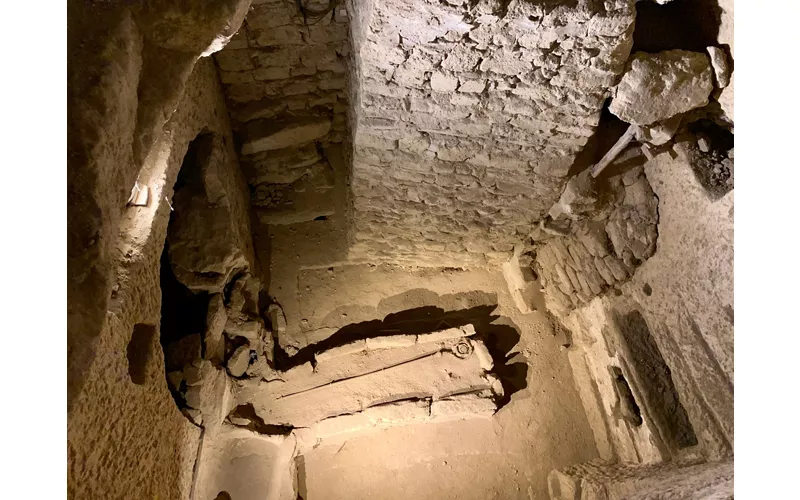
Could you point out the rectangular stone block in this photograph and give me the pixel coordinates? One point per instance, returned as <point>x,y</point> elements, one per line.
<point>234,60</point>
<point>273,73</point>
<point>351,348</point>
<point>267,135</point>
<point>245,92</point>
<point>464,406</point>
<point>281,35</point>
<point>230,77</point>
<point>273,15</point>
<point>449,334</point>
<point>391,341</point>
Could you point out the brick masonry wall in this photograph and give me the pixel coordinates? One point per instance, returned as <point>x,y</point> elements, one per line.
<point>285,80</point>
<point>468,118</point>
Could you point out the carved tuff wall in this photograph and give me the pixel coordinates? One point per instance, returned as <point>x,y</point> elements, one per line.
<point>128,66</point>
<point>125,436</point>
<point>469,116</point>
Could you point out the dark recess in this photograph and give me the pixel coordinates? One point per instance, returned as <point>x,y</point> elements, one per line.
<point>654,380</point>
<point>680,24</point>
<point>140,350</point>
<point>183,312</point>
<point>628,408</point>
<point>713,168</point>
<point>720,138</point>
<point>247,412</point>
<point>609,130</point>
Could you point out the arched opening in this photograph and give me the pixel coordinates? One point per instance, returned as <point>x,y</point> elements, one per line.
<point>183,309</point>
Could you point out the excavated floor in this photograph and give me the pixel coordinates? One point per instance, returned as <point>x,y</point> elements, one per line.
<point>505,456</point>
<point>542,427</point>
<point>329,301</point>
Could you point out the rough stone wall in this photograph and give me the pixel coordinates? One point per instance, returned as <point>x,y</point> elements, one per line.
<point>684,293</point>
<point>599,481</point>
<point>125,436</point>
<point>128,64</point>
<point>469,117</point>
<point>604,251</point>
<point>285,78</point>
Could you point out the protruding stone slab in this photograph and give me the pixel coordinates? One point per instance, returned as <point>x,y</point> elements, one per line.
<point>658,86</point>
<point>266,135</point>
<point>239,361</point>
<point>252,330</point>
<point>392,341</point>
<point>376,416</point>
<point>276,318</point>
<point>449,334</point>
<point>216,317</point>
<point>203,249</point>
<point>243,302</point>
<point>719,61</point>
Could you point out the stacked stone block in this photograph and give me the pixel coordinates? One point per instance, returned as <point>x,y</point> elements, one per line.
<point>609,481</point>
<point>601,252</point>
<point>285,79</point>
<point>469,116</point>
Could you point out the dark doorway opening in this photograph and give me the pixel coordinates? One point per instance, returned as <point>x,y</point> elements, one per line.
<point>654,381</point>
<point>680,24</point>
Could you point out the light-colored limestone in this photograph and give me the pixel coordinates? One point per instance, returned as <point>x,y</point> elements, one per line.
<point>239,361</point>
<point>719,61</point>
<point>659,86</point>
<point>158,456</point>
<point>349,378</point>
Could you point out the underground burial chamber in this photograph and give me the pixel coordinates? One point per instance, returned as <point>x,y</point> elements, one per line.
<point>401,250</point>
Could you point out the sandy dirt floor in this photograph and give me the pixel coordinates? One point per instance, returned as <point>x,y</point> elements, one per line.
<point>508,456</point>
